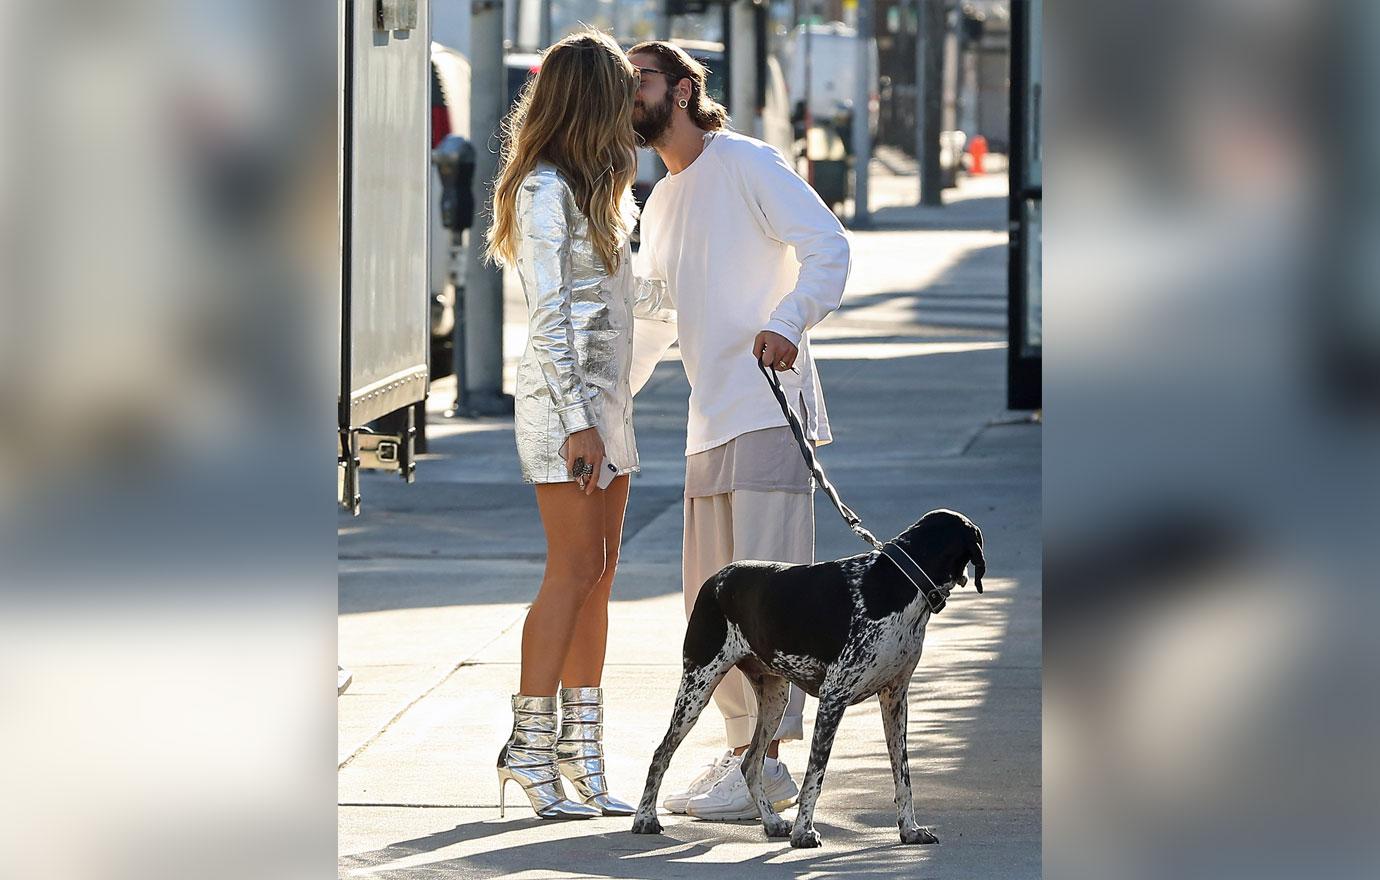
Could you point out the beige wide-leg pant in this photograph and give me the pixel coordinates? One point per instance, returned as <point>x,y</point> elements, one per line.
<point>738,525</point>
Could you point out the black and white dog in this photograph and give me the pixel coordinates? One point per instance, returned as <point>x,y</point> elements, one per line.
<point>843,631</point>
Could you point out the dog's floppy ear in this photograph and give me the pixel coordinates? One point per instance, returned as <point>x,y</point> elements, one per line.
<point>975,556</point>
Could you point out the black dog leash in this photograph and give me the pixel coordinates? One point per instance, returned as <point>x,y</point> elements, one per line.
<point>934,597</point>
<point>853,520</point>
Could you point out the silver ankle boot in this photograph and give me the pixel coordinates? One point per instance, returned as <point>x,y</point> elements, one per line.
<point>580,749</point>
<point>529,758</point>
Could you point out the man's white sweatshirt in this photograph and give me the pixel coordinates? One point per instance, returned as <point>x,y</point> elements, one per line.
<point>744,245</point>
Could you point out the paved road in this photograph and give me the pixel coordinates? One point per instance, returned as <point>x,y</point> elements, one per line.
<point>434,578</point>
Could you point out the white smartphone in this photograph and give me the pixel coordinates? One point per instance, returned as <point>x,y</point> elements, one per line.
<point>606,474</point>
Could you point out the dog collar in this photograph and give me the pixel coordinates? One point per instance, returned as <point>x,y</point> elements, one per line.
<point>934,597</point>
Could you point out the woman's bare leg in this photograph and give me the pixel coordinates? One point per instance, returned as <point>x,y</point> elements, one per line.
<point>584,660</point>
<point>575,533</point>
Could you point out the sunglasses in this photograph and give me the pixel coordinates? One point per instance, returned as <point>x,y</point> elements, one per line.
<point>643,71</point>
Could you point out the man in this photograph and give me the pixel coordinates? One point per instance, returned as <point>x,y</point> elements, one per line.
<point>752,259</point>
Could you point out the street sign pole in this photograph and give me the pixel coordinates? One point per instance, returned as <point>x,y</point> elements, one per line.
<point>862,101</point>
<point>483,376</point>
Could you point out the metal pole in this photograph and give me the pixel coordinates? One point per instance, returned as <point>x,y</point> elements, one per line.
<point>929,84</point>
<point>969,52</point>
<point>348,451</point>
<point>726,25</point>
<point>483,311</point>
<point>459,363</point>
<point>809,121</point>
<point>952,17</point>
<point>742,102</point>
<point>920,63</point>
<point>760,30</point>
<point>862,134</point>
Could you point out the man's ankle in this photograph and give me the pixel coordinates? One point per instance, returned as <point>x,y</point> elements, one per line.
<point>773,750</point>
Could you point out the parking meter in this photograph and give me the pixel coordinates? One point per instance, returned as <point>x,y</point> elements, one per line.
<point>454,159</point>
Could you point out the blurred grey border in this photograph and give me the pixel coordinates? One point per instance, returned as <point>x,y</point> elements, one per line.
<point>167,514</point>
<point>1211,439</point>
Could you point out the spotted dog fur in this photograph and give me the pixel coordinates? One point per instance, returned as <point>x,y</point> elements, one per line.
<point>843,631</point>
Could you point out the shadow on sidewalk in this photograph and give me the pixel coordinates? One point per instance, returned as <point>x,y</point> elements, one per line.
<point>986,213</point>
<point>974,285</point>
<point>621,854</point>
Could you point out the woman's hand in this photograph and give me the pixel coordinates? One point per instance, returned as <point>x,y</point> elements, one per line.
<point>585,448</point>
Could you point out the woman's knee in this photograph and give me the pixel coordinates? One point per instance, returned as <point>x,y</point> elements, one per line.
<point>601,584</point>
<point>581,573</point>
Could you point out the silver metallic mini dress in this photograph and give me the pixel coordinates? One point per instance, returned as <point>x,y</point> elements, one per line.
<point>575,371</point>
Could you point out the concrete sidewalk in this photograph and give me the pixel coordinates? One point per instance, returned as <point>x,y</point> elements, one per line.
<point>435,577</point>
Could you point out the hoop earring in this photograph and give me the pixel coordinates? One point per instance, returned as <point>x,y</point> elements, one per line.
<point>684,103</point>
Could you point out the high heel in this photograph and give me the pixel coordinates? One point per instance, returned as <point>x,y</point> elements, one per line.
<point>529,759</point>
<point>580,749</point>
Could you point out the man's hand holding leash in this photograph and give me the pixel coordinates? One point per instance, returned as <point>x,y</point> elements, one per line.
<point>774,351</point>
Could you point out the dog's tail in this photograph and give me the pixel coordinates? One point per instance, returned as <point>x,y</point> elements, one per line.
<point>975,556</point>
<point>707,629</point>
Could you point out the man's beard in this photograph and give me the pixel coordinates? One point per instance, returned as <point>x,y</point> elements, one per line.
<point>655,119</point>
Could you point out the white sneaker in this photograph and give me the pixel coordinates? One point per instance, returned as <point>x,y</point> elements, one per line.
<point>706,780</point>
<point>729,799</point>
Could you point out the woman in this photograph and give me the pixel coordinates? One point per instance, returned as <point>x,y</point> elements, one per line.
<point>563,212</point>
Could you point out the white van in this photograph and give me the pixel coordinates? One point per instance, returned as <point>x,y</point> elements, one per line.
<point>833,50</point>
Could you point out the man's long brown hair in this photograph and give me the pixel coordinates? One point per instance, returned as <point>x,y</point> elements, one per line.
<point>576,114</point>
<point>704,111</point>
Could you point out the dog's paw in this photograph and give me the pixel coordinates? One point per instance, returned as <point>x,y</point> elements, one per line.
<point>775,826</point>
<point>806,839</point>
<point>918,836</point>
<point>645,825</point>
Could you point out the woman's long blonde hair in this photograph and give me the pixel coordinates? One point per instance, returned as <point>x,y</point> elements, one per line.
<point>576,114</point>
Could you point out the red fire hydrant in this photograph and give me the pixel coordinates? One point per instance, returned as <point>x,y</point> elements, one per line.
<point>977,148</point>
